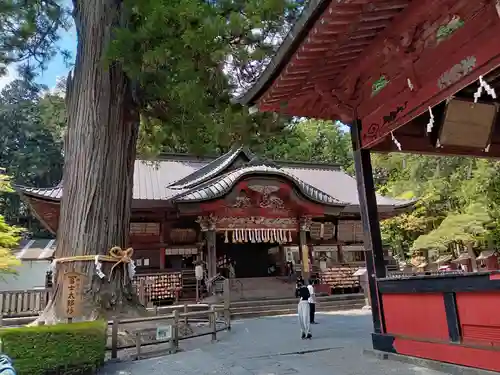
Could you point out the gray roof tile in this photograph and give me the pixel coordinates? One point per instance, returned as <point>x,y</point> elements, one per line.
<point>222,184</point>
<point>175,177</point>
<point>212,169</point>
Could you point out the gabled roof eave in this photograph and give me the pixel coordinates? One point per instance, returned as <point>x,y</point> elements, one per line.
<point>290,44</point>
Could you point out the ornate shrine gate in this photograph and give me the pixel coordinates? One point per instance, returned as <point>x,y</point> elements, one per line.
<point>418,76</point>
<point>258,214</point>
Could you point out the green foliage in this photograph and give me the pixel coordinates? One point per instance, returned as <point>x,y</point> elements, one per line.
<point>9,236</point>
<point>187,58</point>
<point>29,30</point>
<point>311,140</point>
<point>456,228</point>
<point>458,201</point>
<point>31,123</point>
<point>38,350</point>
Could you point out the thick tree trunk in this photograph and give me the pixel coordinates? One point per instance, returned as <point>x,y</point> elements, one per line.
<point>99,165</point>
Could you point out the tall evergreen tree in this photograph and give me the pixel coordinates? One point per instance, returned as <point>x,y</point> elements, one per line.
<point>151,62</point>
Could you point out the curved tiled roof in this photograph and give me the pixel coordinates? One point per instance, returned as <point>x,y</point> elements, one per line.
<point>212,169</point>
<point>221,185</point>
<point>54,193</point>
<point>175,178</point>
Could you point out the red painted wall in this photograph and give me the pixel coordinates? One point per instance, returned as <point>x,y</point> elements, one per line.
<point>416,315</point>
<point>460,355</point>
<point>479,317</point>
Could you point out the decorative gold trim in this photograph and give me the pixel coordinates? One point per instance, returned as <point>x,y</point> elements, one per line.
<point>231,223</point>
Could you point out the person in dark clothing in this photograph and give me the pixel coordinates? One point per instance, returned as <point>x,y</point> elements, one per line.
<point>290,271</point>
<point>304,312</point>
<point>299,283</point>
<point>312,300</point>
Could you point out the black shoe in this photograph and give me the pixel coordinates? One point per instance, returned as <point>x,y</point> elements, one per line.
<point>303,336</point>
<point>314,322</point>
<point>309,336</point>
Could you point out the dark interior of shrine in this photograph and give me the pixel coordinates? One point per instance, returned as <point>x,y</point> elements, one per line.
<point>248,259</point>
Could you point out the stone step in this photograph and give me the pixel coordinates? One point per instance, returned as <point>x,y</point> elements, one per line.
<point>292,305</point>
<point>293,310</point>
<point>293,300</point>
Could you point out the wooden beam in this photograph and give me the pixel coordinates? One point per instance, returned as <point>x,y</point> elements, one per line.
<point>423,145</point>
<point>473,44</point>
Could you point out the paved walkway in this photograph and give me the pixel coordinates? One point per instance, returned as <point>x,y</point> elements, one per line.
<point>272,346</point>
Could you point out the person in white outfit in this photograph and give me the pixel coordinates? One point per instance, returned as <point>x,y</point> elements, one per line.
<point>312,301</point>
<point>304,313</point>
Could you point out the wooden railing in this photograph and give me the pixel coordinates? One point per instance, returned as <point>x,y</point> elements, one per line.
<point>18,303</point>
<point>174,319</point>
<point>179,329</point>
<point>23,302</point>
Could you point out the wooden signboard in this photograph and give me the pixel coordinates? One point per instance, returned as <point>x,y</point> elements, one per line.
<point>72,295</point>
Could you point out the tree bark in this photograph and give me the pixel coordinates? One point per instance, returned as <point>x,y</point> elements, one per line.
<point>99,155</point>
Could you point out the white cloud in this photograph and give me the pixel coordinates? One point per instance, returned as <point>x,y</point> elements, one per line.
<point>9,77</point>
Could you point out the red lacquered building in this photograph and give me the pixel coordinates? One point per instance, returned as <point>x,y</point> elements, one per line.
<point>421,77</point>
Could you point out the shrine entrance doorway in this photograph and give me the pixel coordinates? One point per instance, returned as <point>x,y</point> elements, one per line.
<point>249,259</point>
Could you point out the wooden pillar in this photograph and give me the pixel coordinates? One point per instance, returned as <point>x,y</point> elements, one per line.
<point>282,259</point>
<point>340,253</point>
<point>207,226</point>
<point>163,254</point>
<point>374,254</point>
<point>305,225</point>
<point>211,258</point>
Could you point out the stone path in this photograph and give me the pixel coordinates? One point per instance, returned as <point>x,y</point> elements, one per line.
<point>272,346</point>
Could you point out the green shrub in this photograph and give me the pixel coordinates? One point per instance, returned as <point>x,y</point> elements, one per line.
<point>76,348</point>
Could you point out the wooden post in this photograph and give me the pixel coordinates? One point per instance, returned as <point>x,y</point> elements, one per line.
<point>162,258</point>
<point>227,303</point>
<point>185,312</point>
<point>340,253</point>
<point>114,338</point>
<point>375,263</point>
<point>138,345</point>
<point>142,292</point>
<point>212,257</point>
<point>213,323</point>
<point>305,224</point>
<point>470,251</point>
<point>175,332</point>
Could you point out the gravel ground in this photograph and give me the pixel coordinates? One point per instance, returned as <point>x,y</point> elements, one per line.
<point>272,346</point>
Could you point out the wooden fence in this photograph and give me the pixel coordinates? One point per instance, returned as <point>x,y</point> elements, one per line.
<point>23,302</point>
<point>176,321</point>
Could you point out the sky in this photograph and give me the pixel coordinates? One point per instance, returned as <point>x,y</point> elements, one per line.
<point>57,66</point>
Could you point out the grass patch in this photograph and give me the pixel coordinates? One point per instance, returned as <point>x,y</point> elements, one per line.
<point>69,349</point>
